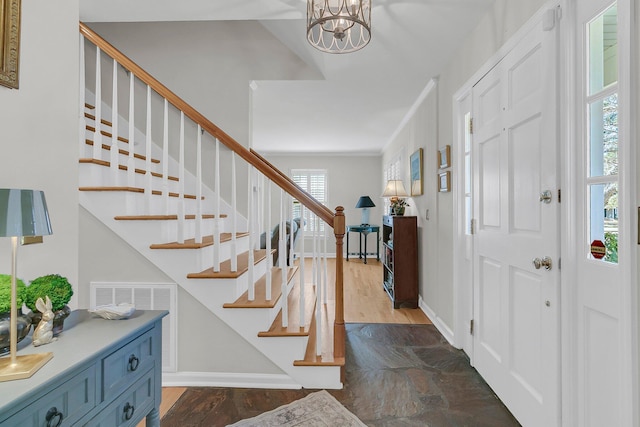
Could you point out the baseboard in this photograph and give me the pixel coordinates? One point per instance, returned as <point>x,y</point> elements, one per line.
<point>224,379</point>
<point>438,323</point>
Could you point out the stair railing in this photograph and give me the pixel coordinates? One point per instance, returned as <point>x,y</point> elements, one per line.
<point>256,164</point>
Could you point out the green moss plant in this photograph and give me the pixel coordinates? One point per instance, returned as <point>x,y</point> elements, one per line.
<point>5,293</point>
<point>55,286</point>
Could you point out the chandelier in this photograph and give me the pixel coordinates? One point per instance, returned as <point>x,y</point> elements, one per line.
<point>339,26</point>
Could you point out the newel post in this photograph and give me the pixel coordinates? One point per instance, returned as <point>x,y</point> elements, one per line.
<point>339,334</point>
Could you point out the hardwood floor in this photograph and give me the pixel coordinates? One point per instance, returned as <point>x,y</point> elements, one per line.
<point>365,301</point>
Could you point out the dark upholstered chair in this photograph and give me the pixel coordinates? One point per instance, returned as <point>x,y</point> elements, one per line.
<point>275,235</point>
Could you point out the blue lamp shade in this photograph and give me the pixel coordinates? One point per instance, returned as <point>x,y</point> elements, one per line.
<point>23,213</point>
<point>365,202</point>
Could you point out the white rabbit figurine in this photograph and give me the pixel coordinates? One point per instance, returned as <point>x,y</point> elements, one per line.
<point>43,334</point>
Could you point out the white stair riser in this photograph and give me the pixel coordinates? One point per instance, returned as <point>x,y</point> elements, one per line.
<point>122,203</point>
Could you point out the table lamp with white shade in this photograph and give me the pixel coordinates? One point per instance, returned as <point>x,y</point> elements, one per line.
<point>22,213</point>
<point>395,191</point>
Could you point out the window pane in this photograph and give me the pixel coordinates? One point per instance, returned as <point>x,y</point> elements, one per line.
<point>604,137</point>
<point>603,50</point>
<point>604,218</point>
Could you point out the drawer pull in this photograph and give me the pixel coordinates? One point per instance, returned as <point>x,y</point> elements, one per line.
<point>128,411</point>
<point>133,362</point>
<point>54,417</point>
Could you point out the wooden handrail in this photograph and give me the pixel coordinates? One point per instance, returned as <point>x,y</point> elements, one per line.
<point>259,156</point>
<point>250,157</point>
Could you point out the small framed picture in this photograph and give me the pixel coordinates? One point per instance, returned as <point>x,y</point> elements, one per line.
<point>415,163</point>
<point>444,182</point>
<point>444,157</point>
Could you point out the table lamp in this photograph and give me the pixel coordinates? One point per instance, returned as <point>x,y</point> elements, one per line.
<point>365,203</point>
<point>394,191</point>
<point>22,213</point>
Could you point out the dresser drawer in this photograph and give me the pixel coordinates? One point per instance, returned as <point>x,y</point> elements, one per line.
<point>128,409</point>
<point>67,403</point>
<point>124,366</point>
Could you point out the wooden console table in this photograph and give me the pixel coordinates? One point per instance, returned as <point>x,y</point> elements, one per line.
<point>103,373</point>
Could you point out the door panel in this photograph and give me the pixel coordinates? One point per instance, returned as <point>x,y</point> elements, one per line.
<point>515,156</point>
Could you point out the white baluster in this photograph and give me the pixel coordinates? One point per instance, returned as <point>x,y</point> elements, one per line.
<point>97,134</point>
<point>282,260</point>
<point>325,280</point>
<point>148,176</point>
<point>198,236</point>
<point>131,162</point>
<point>181,201</point>
<point>319,296</point>
<point>291,234</point>
<point>82,124</point>
<point>267,239</point>
<point>115,149</point>
<point>165,158</point>
<point>216,221</point>
<point>251,291</point>
<point>301,264</point>
<point>234,215</point>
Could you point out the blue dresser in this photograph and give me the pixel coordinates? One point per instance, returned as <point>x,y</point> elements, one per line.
<point>103,373</point>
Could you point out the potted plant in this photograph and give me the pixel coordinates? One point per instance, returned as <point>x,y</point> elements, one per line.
<point>398,205</point>
<point>23,321</point>
<point>59,290</point>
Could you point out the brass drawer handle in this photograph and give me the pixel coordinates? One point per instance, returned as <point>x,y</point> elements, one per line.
<point>133,362</point>
<point>54,417</point>
<point>128,411</point>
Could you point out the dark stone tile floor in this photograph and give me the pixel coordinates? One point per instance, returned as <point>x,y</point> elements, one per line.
<point>396,375</point>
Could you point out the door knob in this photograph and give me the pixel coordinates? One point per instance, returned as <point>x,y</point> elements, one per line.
<point>545,197</point>
<point>544,262</point>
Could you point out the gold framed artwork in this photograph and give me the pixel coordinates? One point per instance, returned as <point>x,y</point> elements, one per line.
<point>444,157</point>
<point>444,182</point>
<point>415,164</point>
<point>9,42</point>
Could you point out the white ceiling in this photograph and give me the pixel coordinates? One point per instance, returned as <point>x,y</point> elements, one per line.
<point>364,95</point>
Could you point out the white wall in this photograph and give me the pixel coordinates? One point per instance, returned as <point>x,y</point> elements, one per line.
<point>39,135</point>
<point>432,128</point>
<point>348,178</point>
<point>200,332</point>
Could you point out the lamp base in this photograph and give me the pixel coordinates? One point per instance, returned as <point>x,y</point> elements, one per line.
<point>24,367</point>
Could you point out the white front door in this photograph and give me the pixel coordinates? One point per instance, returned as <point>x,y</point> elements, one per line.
<point>603,249</point>
<point>516,208</point>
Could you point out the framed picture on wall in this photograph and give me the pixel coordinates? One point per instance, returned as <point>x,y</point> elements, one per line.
<point>415,163</point>
<point>444,157</point>
<point>444,182</point>
<point>9,42</point>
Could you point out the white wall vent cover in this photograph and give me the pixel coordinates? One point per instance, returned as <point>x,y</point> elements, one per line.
<point>145,296</point>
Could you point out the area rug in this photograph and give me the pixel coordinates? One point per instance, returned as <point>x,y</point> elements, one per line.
<point>318,409</point>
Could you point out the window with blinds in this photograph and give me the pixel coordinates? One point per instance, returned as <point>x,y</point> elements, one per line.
<point>314,182</point>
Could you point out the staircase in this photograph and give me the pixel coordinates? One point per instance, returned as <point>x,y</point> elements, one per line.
<point>158,183</point>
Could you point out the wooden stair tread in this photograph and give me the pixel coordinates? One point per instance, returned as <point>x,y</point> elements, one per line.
<point>89,106</point>
<point>103,121</point>
<point>260,298</point>
<point>123,152</point>
<point>326,358</point>
<point>294,327</point>
<point>225,267</point>
<point>107,134</point>
<point>124,168</point>
<point>135,190</point>
<point>161,217</point>
<point>191,243</point>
